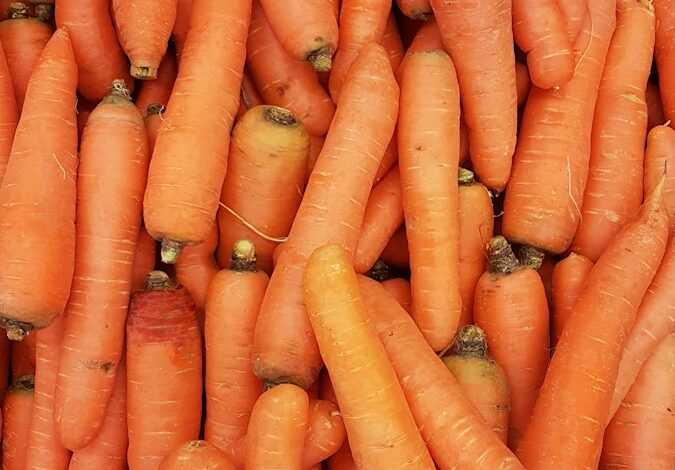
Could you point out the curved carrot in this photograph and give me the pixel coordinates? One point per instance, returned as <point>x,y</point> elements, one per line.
<point>196,266</point>
<point>542,207</point>
<point>569,280</point>
<point>415,9</point>
<point>428,136</point>
<point>196,455</point>
<point>158,91</point>
<point>522,83</point>
<point>177,210</point>
<point>655,115</point>
<point>400,290</point>
<point>396,252</point>
<point>285,348</point>
<point>663,53</point>
<point>153,122</point>
<point>277,429</point>
<point>577,391</point>
<point>37,197</point>
<point>100,58</point>
<point>9,115</point>
<point>349,344</point>
<point>325,433</point>
<point>574,12</point>
<point>660,157</point>
<point>23,357</point>
<point>144,259</point>
<point>164,372</point>
<point>282,80</point>
<point>391,41</point>
<point>17,411</point>
<point>182,24</point>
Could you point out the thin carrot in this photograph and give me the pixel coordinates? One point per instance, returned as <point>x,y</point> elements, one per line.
<point>325,433</point>
<point>542,207</point>
<point>154,117</point>
<point>178,211</point>
<point>164,372</point>
<point>380,426</point>
<point>660,156</point>
<point>655,115</point>
<point>415,9</point>
<point>9,115</point>
<point>196,267</point>
<point>17,411</point>
<point>569,280</point>
<point>285,348</point>
<point>574,12</point>
<point>400,290</point>
<point>37,197</point>
<point>522,83</point>
<point>665,59</point>
<point>396,252</point>
<point>23,357</point>
<point>144,259</point>
<point>575,397</point>
<point>196,455</point>
<point>159,90</point>
<point>391,41</point>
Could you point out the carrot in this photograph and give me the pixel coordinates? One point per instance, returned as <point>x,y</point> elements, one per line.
<point>17,411</point>
<point>144,259</point>
<point>178,211</point>
<point>522,83</point>
<point>361,22</point>
<point>196,455</point>
<point>159,90</point>
<point>415,9</point>
<point>196,267</point>
<point>37,197</point>
<point>285,348</point>
<point>164,372</point>
<point>383,216</point>
<point>655,116</point>
<point>400,290</point>
<point>545,271</point>
<point>250,98</point>
<point>84,110</point>
<point>143,28</point>
<point>232,305</point>
<point>428,38</point>
<point>4,8</point>
<point>23,357</point>
<point>642,434</point>
<point>154,117</point>
<point>9,115</point>
<point>182,24</point>
<point>277,429</point>
<point>264,182</point>
<point>23,39</point>
<point>542,207</point>
<point>660,155</point>
<point>100,58</point>
<point>315,147</point>
<point>476,228</point>
<point>481,378</point>
<point>396,252</point>
<point>663,53</point>
<point>428,159</point>
<point>391,41</point>
<point>380,426</point>
<point>44,449</point>
<point>284,81</point>
<point>619,131</point>
<point>325,433</point>
<point>109,449</point>
<point>456,435</point>
<point>569,280</point>
<point>390,158</point>
<point>574,12</point>
<point>575,397</point>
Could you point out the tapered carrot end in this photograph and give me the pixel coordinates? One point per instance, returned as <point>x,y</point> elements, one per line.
<point>321,59</point>
<point>143,72</point>
<point>16,330</point>
<point>501,259</point>
<point>170,251</point>
<point>243,256</point>
<point>470,341</point>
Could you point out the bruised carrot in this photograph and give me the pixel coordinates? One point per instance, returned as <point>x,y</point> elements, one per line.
<point>415,9</point>
<point>569,280</point>
<point>543,202</point>
<point>182,24</point>
<point>400,290</point>
<point>396,252</point>
<point>196,267</point>
<point>17,411</point>
<point>144,259</point>
<point>655,115</point>
<point>164,371</point>
<point>153,122</point>
<point>176,210</point>
<point>285,348</point>
<point>37,196</point>
<point>9,115</point>
<point>575,397</point>
<point>574,12</point>
<point>663,53</point>
<point>325,433</point>
<point>23,357</point>
<point>159,90</point>
<point>660,157</point>
<point>196,455</point>
<point>522,83</point>
<point>391,41</point>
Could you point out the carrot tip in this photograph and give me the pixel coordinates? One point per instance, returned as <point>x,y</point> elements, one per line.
<point>501,259</point>
<point>321,59</point>
<point>44,12</point>
<point>16,330</point>
<point>530,256</point>
<point>170,251</point>
<point>466,176</point>
<point>380,271</point>
<point>143,72</point>
<point>470,341</point>
<point>25,383</point>
<point>158,280</point>
<point>243,256</point>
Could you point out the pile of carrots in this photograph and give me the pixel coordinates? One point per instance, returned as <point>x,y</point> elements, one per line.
<point>356,234</point>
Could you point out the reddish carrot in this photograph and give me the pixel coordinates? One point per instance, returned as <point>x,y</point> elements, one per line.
<point>660,157</point>
<point>545,271</point>
<point>17,411</point>
<point>196,267</point>
<point>37,197</point>
<point>9,115</point>
<point>575,397</point>
<point>396,252</point>
<point>22,357</point>
<point>665,59</point>
<point>415,9</point>
<point>144,259</point>
<point>400,290</point>
<point>164,372</point>
<point>391,41</point>
<point>522,83</point>
<point>285,347</point>
<point>542,207</point>
<point>569,280</point>
<point>159,90</point>
<point>176,210</point>
<point>196,455</point>
<point>575,12</point>
<point>153,122</point>
<point>84,109</point>
<point>325,433</point>
<point>5,351</point>
<point>182,24</point>
<point>655,115</point>
<point>342,459</point>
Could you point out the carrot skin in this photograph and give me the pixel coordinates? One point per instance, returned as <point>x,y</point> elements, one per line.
<point>182,24</point>
<point>523,83</point>
<point>400,290</point>
<point>655,115</point>
<point>9,114</point>
<point>17,411</point>
<point>196,455</point>
<point>392,43</point>
<point>569,280</point>
<point>396,252</point>
<point>660,158</point>
<point>325,433</point>
<point>23,357</point>
<point>575,12</point>
<point>196,266</point>
<point>664,54</point>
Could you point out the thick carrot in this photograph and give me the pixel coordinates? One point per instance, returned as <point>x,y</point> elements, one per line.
<point>456,435</point>
<point>9,115</point>
<point>428,136</point>
<point>523,84</point>
<point>642,433</point>
<point>22,357</point>
<point>479,38</point>
<point>664,54</point>
<point>232,305</point>
<point>285,348</point>
<point>569,280</point>
<point>380,426</point>
<point>415,9</point>
<point>109,449</point>
<point>476,228</point>
<point>391,41</point>
<point>660,157</point>
<point>277,429</point>
<point>542,207</point>
<point>264,182</point>
<point>181,199</point>
<point>619,131</point>
<point>396,252</point>
<point>361,22</point>
<point>574,12</point>
<point>182,24</point>
<point>17,411</point>
<point>575,397</point>
<point>483,381</point>
<point>399,289</point>
<point>164,372</point>
<point>143,28</point>
<point>655,115</point>
<point>144,259</point>
<point>196,455</point>
<point>545,271</point>
<point>37,197</point>
<point>383,216</point>
<point>159,90</point>
<point>196,267</point>
<point>153,122</point>
<point>100,58</point>
<point>325,433</point>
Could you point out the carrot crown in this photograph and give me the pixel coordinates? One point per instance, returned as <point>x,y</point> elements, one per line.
<point>243,256</point>
<point>44,12</point>
<point>280,116</point>
<point>155,108</point>
<point>380,271</point>
<point>321,59</point>
<point>158,280</point>
<point>25,383</point>
<point>501,259</point>
<point>16,330</point>
<point>466,176</point>
<point>530,257</point>
<point>470,341</point>
<point>17,11</point>
<point>118,89</point>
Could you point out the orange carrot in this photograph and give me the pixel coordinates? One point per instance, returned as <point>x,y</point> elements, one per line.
<point>4,8</point>
<point>285,348</point>
<point>575,397</point>
<point>154,117</point>
<point>569,280</point>
<point>542,207</point>
<point>383,216</point>
<point>428,38</point>
<point>522,83</point>
<point>196,455</point>
<point>574,12</point>
<point>400,290</point>
<point>642,434</point>
<point>84,110</point>
<point>391,41</point>
<point>9,115</point>
<point>100,58</point>
<point>177,210</point>
<point>144,259</point>
<point>232,305</point>
<point>660,156</point>
<point>342,459</point>
<point>23,357</point>
<point>159,90</point>
<point>325,433</point>
<point>396,252</point>
<point>479,38</point>
<point>37,197</point>
<point>428,159</point>
<point>182,24</point>
<point>389,159</point>
<point>17,411</point>
<point>196,266</point>
<point>655,116</point>
<point>315,147</point>
<point>416,9</point>
<point>109,449</point>
<point>380,426</point>
<point>164,372</point>
<point>250,98</point>
<point>284,81</point>
<point>112,175</point>
<point>665,59</point>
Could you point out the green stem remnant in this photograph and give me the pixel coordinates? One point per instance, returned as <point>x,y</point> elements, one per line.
<point>501,259</point>
<point>466,177</point>
<point>170,250</point>
<point>243,256</point>
<point>321,59</point>
<point>279,116</point>
<point>470,341</point>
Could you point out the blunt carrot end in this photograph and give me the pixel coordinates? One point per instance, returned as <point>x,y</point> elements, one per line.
<point>170,250</point>
<point>143,72</point>
<point>243,256</point>
<point>501,259</point>
<point>470,341</point>
<point>530,256</point>
<point>158,280</point>
<point>466,176</point>
<point>321,59</point>
<point>16,330</point>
